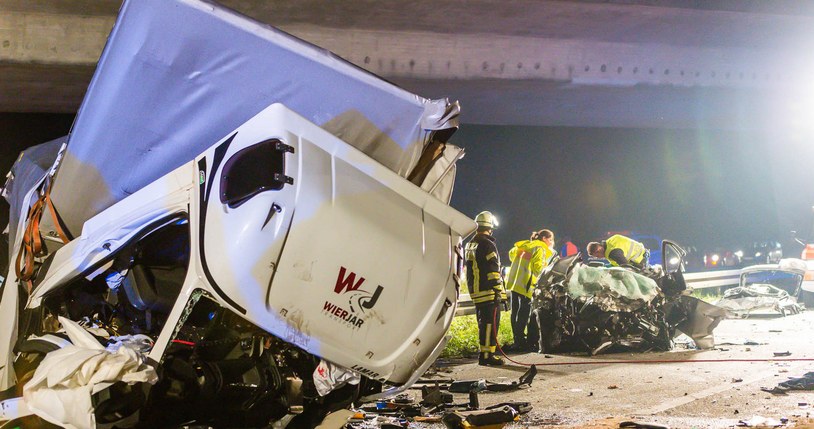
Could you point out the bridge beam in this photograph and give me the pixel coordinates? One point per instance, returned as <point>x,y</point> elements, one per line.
<point>528,75</point>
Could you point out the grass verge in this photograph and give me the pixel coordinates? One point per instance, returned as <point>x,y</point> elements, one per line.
<point>464,336</point>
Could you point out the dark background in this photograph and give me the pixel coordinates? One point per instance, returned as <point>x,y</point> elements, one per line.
<point>21,130</point>
<point>705,188</point>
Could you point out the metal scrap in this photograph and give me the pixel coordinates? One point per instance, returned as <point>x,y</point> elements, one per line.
<point>579,307</point>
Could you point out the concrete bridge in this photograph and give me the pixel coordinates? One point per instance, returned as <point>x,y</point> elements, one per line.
<point>617,63</point>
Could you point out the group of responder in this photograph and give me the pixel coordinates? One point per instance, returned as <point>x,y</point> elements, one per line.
<point>528,258</point>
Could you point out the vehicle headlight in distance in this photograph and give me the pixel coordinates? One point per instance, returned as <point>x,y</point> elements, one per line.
<point>739,253</point>
<point>757,254</point>
<point>715,257</point>
<point>673,260</point>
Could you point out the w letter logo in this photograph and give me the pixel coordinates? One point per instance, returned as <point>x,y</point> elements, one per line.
<point>346,283</point>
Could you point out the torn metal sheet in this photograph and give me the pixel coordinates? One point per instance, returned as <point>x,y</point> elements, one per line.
<point>695,318</point>
<point>759,299</point>
<point>770,289</point>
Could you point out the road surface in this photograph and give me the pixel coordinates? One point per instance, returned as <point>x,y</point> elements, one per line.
<point>680,395</point>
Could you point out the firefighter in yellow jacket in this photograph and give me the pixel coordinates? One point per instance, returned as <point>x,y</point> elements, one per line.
<point>485,286</point>
<point>528,258</point>
<point>621,250</point>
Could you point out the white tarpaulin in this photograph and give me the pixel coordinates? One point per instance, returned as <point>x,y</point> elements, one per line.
<point>177,75</point>
<point>60,390</point>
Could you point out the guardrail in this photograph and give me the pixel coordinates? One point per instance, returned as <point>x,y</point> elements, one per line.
<point>707,279</point>
<point>701,280</point>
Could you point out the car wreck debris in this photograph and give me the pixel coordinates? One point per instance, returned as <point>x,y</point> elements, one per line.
<point>494,418</point>
<point>437,404</point>
<point>762,422</point>
<point>580,307</point>
<point>766,290</point>
<point>494,386</point>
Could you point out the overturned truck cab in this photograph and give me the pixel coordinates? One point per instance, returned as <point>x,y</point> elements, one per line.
<point>290,266</point>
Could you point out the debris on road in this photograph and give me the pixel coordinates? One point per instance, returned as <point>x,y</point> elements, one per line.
<point>806,382</point>
<point>781,354</point>
<point>494,418</point>
<point>762,422</point>
<point>641,425</point>
<point>494,386</point>
<point>437,405</point>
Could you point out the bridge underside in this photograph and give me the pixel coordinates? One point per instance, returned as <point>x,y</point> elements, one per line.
<point>641,64</point>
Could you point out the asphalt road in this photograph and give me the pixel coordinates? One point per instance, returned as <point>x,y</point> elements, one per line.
<point>676,394</point>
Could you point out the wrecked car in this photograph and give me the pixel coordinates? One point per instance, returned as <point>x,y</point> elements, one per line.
<point>240,230</point>
<point>765,290</point>
<point>580,307</point>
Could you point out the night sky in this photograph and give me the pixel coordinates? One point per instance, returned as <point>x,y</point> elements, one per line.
<point>705,188</point>
<point>701,188</point>
<point>21,130</point>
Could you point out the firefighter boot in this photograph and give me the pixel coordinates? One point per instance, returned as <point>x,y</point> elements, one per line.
<point>489,359</point>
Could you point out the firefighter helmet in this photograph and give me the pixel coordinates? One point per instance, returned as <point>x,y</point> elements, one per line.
<point>486,219</point>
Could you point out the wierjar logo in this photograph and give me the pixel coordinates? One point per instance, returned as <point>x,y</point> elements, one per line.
<point>349,286</point>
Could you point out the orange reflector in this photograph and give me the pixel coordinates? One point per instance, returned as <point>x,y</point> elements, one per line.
<point>809,275</point>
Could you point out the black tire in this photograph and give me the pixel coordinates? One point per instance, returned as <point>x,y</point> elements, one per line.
<point>807,298</point>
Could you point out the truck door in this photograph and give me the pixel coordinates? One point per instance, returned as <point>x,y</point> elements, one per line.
<point>246,195</point>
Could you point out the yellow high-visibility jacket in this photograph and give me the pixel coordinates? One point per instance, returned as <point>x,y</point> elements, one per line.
<point>528,258</point>
<point>633,250</point>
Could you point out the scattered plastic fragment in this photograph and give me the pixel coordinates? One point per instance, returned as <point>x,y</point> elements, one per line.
<point>760,422</point>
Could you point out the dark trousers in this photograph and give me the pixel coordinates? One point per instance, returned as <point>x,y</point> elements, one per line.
<point>488,325</point>
<point>521,312</point>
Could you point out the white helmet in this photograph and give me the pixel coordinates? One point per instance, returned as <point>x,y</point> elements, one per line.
<point>486,219</point>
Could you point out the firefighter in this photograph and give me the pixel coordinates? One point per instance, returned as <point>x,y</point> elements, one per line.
<point>485,286</point>
<point>528,258</point>
<point>620,250</point>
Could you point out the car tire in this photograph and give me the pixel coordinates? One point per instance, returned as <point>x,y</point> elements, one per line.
<point>807,298</point>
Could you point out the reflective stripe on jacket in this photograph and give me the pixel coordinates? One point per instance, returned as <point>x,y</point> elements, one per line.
<point>483,269</point>
<point>633,250</point>
<point>528,258</point>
